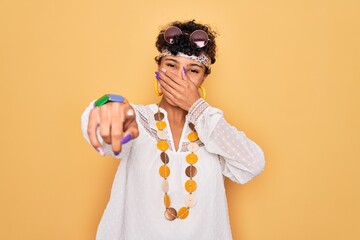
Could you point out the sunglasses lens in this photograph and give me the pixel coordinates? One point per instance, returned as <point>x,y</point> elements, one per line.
<point>199,37</point>
<point>170,33</point>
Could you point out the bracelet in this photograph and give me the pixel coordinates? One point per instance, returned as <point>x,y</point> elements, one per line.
<point>110,98</point>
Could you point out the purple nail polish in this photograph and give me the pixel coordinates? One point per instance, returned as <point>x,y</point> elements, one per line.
<point>126,139</point>
<point>184,70</point>
<point>157,75</point>
<point>116,153</point>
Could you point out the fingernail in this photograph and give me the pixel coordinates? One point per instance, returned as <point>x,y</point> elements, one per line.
<point>116,153</point>
<point>164,70</point>
<point>184,70</point>
<point>157,75</point>
<point>126,139</point>
<point>101,151</point>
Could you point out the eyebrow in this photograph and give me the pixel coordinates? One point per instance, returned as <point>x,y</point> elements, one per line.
<point>191,64</point>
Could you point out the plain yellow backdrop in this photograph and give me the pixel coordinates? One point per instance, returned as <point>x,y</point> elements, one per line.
<point>287,74</point>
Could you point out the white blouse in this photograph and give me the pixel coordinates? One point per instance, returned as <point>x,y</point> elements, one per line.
<point>136,208</point>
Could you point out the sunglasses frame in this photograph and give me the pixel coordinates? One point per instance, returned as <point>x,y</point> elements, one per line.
<point>190,37</point>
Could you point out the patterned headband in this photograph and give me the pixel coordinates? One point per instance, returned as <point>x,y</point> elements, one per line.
<point>203,58</point>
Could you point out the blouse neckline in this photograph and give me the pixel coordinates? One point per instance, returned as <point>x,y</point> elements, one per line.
<point>169,136</point>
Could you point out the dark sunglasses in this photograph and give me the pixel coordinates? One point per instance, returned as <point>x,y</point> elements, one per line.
<point>198,37</point>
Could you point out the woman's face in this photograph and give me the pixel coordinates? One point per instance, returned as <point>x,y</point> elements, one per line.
<point>194,69</point>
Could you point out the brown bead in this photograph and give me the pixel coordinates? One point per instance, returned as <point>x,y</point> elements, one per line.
<point>159,116</point>
<point>190,171</point>
<point>192,127</point>
<point>170,214</point>
<point>164,157</point>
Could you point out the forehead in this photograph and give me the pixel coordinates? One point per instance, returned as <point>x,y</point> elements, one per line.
<point>183,61</point>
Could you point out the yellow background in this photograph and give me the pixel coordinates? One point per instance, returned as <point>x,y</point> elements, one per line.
<point>287,74</point>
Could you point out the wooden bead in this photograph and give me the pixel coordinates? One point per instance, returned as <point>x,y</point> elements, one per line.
<point>159,116</point>
<point>191,171</point>
<point>192,127</point>
<point>170,214</point>
<point>164,157</point>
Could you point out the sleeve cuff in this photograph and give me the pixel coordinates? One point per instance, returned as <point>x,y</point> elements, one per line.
<point>197,109</point>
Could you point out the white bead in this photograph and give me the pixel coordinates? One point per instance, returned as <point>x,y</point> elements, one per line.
<point>161,134</point>
<point>193,147</point>
<point>190,200</point>
<point>165,186</point>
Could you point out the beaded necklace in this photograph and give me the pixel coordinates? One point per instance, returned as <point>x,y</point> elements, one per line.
<point>164,170</point>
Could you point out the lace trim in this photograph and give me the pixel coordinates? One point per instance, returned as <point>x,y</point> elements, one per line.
<point>197,109</point>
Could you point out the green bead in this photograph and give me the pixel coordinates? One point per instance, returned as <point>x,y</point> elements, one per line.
<point>101,101</point>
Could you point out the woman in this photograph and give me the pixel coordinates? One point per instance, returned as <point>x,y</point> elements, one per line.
<point>169,184</point>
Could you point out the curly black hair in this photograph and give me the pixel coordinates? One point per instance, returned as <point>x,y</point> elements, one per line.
<point>182,43</point>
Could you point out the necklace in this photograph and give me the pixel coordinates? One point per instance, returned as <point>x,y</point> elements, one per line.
<point>164,170</point>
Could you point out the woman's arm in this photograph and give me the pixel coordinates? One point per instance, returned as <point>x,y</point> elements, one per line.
<point>241,159</point>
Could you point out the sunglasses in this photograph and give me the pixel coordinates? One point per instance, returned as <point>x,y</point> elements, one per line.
<point>199,37</point>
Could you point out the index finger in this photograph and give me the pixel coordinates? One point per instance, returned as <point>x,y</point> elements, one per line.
<point>119,122</point>
<point>184,75</point>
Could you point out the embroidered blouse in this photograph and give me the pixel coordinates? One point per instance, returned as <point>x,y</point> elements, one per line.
<point>135,210</point>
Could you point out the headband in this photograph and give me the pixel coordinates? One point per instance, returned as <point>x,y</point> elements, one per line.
<point>203,58</point>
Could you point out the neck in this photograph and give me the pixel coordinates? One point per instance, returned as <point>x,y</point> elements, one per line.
<point>175,114</point>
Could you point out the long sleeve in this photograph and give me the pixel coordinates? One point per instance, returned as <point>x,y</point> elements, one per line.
<point>241,159</point>
<point>107,148</point>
